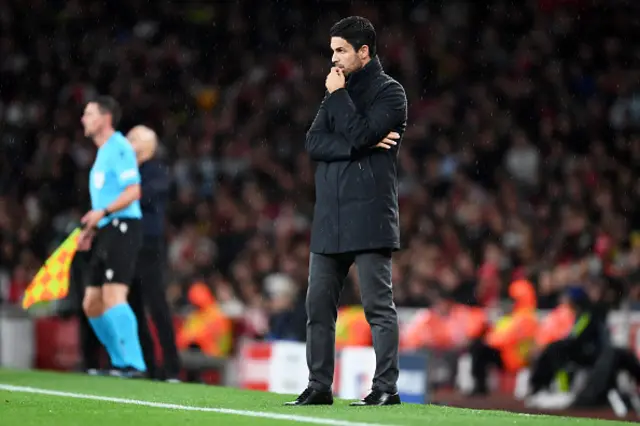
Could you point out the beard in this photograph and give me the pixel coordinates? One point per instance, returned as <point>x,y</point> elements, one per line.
<point>354,67</point>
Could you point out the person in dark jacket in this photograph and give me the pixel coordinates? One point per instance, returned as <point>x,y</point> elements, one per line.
<point>582,347</point>
<point>149,285</point>
<point>354,141</point>
<point>588,347</point>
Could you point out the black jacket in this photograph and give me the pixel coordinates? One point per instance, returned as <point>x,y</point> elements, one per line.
<point>155,190</point>
<point>357,185</point>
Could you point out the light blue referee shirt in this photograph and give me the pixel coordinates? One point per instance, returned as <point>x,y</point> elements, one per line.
<point>114,168</point>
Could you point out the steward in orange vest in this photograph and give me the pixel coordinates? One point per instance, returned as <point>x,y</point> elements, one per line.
<point>509,344</point>
<point>206,328</point>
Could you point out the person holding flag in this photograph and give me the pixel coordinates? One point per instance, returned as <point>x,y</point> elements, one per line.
<point>113,232</point>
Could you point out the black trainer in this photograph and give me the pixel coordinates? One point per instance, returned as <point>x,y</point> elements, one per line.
<point>378,397</point>
<point>311,396</point>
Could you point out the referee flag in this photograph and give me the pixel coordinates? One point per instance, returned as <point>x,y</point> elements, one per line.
<point>52,280</point>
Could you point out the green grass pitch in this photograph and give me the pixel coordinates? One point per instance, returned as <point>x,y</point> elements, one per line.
<point>29,398</point>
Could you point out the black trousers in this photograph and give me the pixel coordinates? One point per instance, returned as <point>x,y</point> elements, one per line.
<point>483,357</point>
<point>555,357</point>
<point>148,294</point>
<point>558,355</point>
<point>327,274</point>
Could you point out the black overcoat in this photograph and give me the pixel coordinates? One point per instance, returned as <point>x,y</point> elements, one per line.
<point>357,184</point>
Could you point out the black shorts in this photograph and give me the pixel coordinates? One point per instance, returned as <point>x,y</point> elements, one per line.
<point>114,252</point>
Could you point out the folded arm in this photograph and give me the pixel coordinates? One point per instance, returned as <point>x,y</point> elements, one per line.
<point>323,144</point>
<point>388,113</point>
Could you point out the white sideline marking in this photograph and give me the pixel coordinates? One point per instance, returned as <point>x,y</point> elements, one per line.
<point>246,413</point>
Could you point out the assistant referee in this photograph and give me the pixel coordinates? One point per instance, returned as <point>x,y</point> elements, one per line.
<point>114,223</point>
<point>149,288</point>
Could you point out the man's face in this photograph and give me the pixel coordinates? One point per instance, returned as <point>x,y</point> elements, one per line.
<point>345,57</point>
<point>93,120</point>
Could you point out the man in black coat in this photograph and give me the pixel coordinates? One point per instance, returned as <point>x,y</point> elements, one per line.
<point>354,141</point>
<point>149,289</point>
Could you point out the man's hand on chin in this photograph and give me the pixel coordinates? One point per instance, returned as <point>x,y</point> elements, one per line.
<point>335,80</point>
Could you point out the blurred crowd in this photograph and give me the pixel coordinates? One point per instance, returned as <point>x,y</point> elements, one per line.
<point>521,159</point>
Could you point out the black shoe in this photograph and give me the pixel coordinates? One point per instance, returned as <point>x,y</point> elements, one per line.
<point>378,397</point>
<point>311,396</point>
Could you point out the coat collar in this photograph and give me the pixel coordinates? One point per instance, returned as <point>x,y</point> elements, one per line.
<point>364,75</point>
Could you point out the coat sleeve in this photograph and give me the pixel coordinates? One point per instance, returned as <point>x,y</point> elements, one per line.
<point>155,184</point>
<point>388,113</point>
<point>323,144</point>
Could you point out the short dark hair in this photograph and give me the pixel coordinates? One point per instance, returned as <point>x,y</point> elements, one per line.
<point>357,31</point>
<point>108,105</point>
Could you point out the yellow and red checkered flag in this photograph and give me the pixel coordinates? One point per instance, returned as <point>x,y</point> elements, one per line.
<point>52,280</point>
